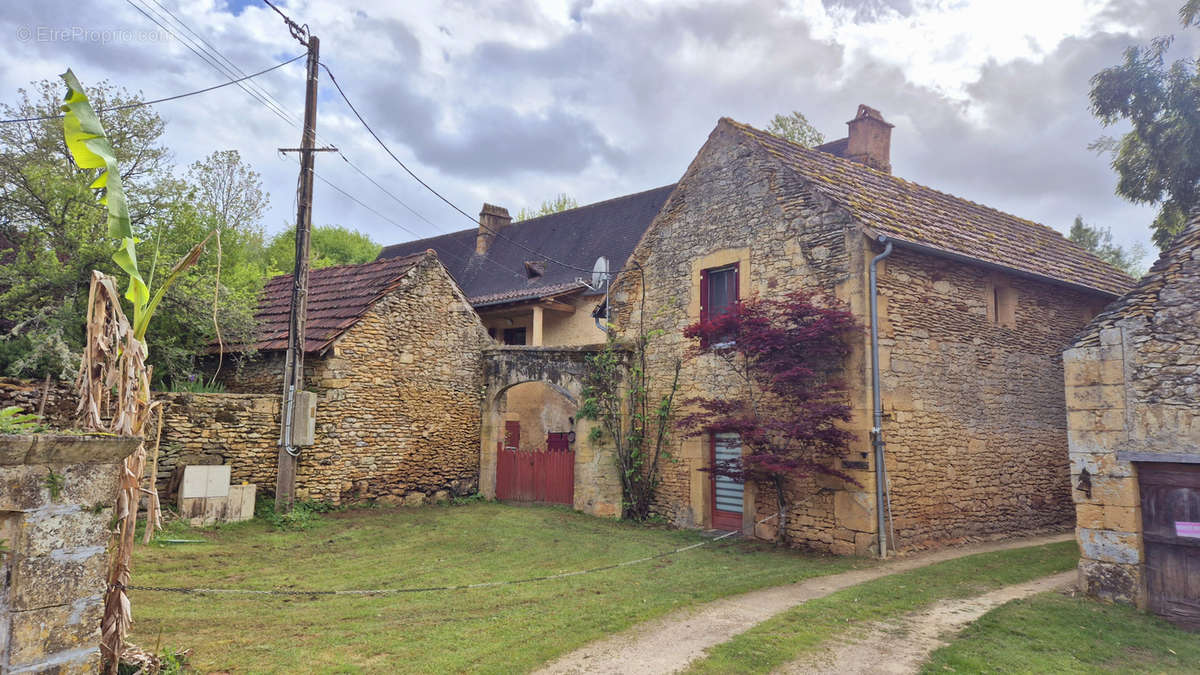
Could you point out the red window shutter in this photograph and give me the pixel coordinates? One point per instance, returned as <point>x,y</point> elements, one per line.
<point>703,295</point>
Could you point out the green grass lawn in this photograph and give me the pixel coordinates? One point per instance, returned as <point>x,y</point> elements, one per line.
<point>506,629</point>
<point>802,630</point>
<point>1054,633</point>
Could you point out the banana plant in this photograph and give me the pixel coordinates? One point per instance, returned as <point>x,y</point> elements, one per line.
<point>90,148</point>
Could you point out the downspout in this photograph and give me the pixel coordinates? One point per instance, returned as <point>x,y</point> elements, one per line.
<point>877,398</point>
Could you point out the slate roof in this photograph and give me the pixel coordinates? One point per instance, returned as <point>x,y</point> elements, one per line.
<point>337,298</point>
<point>920,215</point>
<point>577,237</point>
<point>1141,301</point>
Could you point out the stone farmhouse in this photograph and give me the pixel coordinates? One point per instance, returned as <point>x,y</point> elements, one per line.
<point>1133,411</point>
<point>393,352</point>
<point>974,307</point>
<point>532,309</point>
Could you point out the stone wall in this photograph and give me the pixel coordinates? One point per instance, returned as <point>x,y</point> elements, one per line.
<point>27,395</point>
<point>1132,392</point>
<point>973,398</point>
<point>397,410</point>
<point>736,204</point>
<point>52,575</point>
<point>975,423</point>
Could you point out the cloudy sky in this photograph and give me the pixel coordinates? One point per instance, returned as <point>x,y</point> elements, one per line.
<point>513,102</point>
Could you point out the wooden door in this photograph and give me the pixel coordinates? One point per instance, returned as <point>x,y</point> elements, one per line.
<point>1171,535</point>
<point>727,494</point>
<point>512,435</point>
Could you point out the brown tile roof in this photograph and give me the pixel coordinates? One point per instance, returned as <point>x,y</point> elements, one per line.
<point>920,215</point>
<point>337,298</point>
<point>520,294</point>
<point>1141,301</point>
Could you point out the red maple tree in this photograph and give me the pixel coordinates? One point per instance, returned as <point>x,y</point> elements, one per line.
<point>784,397</point>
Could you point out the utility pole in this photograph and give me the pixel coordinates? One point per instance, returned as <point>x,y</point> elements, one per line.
<point>293,374</point>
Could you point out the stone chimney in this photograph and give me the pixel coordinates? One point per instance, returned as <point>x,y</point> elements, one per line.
<point>492,219</point>
<point>870,140</point>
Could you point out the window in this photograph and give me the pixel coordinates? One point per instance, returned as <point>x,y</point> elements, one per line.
<point>1002,305</point>
<point>718,291</point>
<point>514,336</point>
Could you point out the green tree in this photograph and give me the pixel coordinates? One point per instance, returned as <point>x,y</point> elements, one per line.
<point>1156,160</point>
<point>55,233</point>
<point>795,128</point>
<point>560,202</point>
<point>1099,241</point>
<point>329,245</point>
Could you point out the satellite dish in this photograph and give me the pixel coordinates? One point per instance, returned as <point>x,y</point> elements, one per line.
<point>600,272</point>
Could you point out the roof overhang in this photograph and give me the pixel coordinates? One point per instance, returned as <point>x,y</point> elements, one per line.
<point>927,249</point>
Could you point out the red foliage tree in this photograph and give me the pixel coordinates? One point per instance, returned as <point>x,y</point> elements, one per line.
<point>784,397</point>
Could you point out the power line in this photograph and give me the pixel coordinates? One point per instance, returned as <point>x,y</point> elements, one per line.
<point>139,104</point>
<point>203,55</point>
<point>435,192</point>
<point>213,49</point>
<point>272,103</point>
<point>356,200</point>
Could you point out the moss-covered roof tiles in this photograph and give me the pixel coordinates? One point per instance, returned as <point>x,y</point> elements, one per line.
<point>921,215</point>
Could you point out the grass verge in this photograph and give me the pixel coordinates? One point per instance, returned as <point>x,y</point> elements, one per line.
<point>1054,633</point>
<point>803,629</point>
<point>506,629</point>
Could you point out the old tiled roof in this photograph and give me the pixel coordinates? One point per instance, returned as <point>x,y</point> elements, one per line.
<point>914,213</point>
<point>1142,299</point>
<point>576,237</point>
<point>337,298</point>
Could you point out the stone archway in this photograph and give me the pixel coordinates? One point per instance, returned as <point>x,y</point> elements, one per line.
<point>560,370</point>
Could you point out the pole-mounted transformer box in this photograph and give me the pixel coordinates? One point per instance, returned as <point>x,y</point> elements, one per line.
<point>304,426</point>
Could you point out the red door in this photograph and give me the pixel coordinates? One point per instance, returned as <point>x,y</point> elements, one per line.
<point>545,476</point>
<point>512,435</point>
<point>727,493</point>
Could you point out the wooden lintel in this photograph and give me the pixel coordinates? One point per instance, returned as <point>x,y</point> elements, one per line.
<point>556,306</point>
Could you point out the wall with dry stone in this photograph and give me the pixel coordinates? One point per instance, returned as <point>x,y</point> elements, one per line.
<point>1132,393</point>
<point>52,575</point>
<point>973,399</point>
<point>975,426</point>
<point>736,204</point>
<point>397,410</point>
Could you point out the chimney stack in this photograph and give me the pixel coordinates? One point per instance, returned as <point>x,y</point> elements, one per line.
<point>870,140</point>
<point>492,219</point>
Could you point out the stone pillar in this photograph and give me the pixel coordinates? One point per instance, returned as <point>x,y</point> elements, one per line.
<point>1105,489</point>
<point>52,575</point>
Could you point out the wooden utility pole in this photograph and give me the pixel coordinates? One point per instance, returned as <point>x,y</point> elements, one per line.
<point>293,374</point>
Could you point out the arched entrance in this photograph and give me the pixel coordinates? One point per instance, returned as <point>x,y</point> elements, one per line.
<point>533,447</point>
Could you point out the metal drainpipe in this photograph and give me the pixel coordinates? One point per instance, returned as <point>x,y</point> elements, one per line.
<point>877,428</point>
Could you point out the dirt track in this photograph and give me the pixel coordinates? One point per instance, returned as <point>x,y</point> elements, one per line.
<point>670,643</point>
<point>903,646</point>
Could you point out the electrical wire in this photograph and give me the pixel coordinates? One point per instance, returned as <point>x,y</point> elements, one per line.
<point>205,56</point>
<point>439,195</point>
<point>139,104</point>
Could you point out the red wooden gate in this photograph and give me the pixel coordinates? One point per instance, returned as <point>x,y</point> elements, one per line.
<point>537,476</point>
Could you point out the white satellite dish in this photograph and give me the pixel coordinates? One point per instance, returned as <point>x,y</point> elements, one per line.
<point>600,272</point>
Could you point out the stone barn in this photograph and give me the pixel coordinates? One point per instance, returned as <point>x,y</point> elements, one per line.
<point>974,309</point>
<point>393,351</point>
<point>1133,410</point>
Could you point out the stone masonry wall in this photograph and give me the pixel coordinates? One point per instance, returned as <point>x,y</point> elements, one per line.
<point>1133,393</point>
<point>973,398</point>
<point>735,204</point>
<point>52,575</point>
<point>397,410</point>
